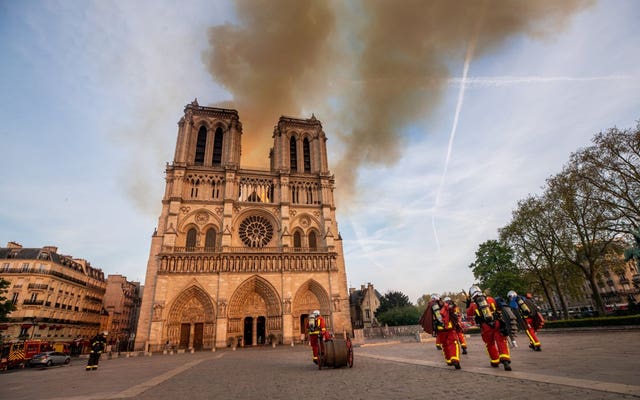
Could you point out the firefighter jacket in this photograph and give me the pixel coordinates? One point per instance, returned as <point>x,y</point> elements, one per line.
<point>318,327</point>
<point>486,314</point>
<point>98,344</point>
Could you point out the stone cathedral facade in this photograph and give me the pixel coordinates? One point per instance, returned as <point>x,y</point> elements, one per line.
<point>243,255</point>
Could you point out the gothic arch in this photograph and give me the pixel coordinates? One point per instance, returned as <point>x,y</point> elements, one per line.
<point>306,222</point>
<point>206,217</point>
<point>310,296</point>
<point>191,307</point>
<point>238,306</point>
<point>254,299</point>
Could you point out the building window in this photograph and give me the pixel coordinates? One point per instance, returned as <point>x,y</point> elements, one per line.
<point>210,240</point>
<point>307,155</point>
<point>201,145</point>
<point>255,231</point>
<point>194,189</point>
<point>34,297</point>
<point>297,240</point>
<point>14,299</point>
<point>367,314</point>
<point>25,267</point>
<point>191,239</point>
<point>217,147</point>
<point>313,242</point>
<point>293,155</point>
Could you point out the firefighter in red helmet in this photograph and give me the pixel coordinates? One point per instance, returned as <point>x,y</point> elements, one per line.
<point>317,331</point>
<point>494,334</point>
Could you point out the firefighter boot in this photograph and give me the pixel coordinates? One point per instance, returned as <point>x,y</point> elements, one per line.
<point>507,365</point>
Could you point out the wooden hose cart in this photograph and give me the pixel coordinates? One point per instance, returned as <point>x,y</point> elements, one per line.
<point>335,352</point>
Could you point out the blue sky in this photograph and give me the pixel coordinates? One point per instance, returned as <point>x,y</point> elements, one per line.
<point>91,92</point>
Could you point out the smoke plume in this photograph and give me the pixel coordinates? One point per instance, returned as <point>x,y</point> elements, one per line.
<point>381,64</point>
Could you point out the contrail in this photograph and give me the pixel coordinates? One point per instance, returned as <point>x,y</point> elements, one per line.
<point>515,80</point>
<point>456,117</point>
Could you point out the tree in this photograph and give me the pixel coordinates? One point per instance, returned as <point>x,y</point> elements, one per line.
<point>612,166</point>
<point>585,230</point>
<point>391,300</point>
<point>495,270</point>
<point>398,316</point>
<point>6,306</point>
<point>536,248</point>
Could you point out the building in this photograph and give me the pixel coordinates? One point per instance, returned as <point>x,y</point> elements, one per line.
<point>57,297</point>
<point>122,302</point>
<point>363,304</point>
<point>243,255</point>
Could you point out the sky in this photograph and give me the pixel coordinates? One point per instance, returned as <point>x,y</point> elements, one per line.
<point>440,116</point>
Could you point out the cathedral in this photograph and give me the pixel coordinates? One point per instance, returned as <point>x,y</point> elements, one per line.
<point>242,256</point>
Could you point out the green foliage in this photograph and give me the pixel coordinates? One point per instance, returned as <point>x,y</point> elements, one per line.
<point>495,269</point>
<point>391,300</point>
<point>6,307</point>
<point>593,322</point>
<point>399,316</point>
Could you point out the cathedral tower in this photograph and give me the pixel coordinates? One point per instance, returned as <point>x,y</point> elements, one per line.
<point>243,255</point>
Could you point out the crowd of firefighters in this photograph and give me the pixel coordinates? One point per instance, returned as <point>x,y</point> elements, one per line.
<point>498,319</point>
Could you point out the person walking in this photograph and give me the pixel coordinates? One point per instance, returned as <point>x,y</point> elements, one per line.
<point>460,332</point>
<point>486,313</point>
<point>98,344</point>
<point>317,331</point>
<point>440,318</point>
<point>531,316</point>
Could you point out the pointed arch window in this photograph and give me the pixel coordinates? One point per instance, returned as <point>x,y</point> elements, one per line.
<point>191,239</point>
<point>217,147</point>
<point>293,155</point>
<point>306,148</point>
<point>201,145</point>
<point>210,240</point>
<point>313,242</point>
<point>297,240</point>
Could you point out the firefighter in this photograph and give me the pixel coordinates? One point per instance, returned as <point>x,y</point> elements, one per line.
<point>439,321</point>
<point>98,344</point>
<point>317,331</point>
<point>456,310</point>
<point>529,313</point>
<point>494,334</point>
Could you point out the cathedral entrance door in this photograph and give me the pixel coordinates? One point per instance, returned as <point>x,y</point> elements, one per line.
<point>260,328</point>
<point>197,336</point>
<point>248,331</point>
<point>185,331</point>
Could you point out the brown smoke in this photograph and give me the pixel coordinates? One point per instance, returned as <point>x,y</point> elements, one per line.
<point>389,58</point>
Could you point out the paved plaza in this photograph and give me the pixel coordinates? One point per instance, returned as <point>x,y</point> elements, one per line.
<point>572,365</point>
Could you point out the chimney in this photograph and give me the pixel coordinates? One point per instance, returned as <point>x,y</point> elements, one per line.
<point>14,245</point>
<point>50,249</point>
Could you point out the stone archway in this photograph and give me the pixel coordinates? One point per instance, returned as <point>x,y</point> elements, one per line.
<point>191,320</point>
<point>257,303</point>
<point>310,296</point>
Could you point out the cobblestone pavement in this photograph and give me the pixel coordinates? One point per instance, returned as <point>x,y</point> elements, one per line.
<point>595,365</point>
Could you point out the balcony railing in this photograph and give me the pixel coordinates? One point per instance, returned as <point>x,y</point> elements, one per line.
<point>33,302</point>
<point>259,250</point>
<point>38,286</point>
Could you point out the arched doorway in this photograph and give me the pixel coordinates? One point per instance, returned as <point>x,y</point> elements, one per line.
<point>191,321</point>
<point>255,312</point>
<point>310,296</point>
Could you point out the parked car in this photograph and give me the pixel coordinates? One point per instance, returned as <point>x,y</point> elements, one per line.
<point>49,358</point>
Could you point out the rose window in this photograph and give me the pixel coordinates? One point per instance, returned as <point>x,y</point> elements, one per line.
<point>256,231</point>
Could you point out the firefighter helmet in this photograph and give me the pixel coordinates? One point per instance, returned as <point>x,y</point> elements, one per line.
<point>474,291</point>
<point>447,299</point>
<point>512,294</point>
<point>435,297</point>
<point>316,313</point>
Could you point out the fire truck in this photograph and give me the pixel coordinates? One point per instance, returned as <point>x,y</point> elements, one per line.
<point>17,354</point>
